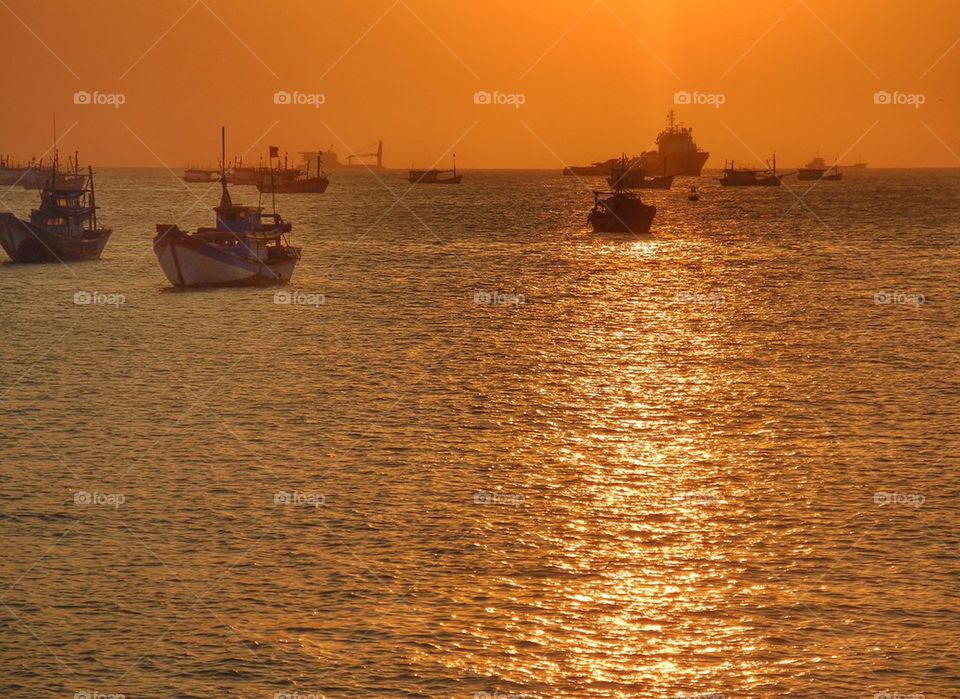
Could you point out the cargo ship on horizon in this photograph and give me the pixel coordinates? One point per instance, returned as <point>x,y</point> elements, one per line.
<point>677,154</point>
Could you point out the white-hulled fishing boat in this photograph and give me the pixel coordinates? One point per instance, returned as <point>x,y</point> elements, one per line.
<point>245,247</point>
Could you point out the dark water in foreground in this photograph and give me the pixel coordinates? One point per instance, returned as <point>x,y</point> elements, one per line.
<point>722,461</point>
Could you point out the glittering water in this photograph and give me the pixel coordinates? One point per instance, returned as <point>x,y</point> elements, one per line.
<point>484,453</point>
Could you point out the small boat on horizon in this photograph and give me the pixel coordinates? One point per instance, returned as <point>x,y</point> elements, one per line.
<point>751,177</point>
<point>245,247</point>
<point>64,227</point>
<point>275,181</point>
<point>199,174</point>
<point>817,169</point>
<point>621,211</point>
<point>436,176</point>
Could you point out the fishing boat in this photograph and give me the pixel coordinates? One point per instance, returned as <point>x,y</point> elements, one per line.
<point>278,181</point>
<point>750,177</point>
<point>37,176</point>
<point>240,174</point>
<point>244,247</point>
<point>436,176</point>
<point>11,173</point>
<point>64,228</point>
<point>694,194</point>
<point>629,175</point>
<point>620,212</point>
<point>197,174</point>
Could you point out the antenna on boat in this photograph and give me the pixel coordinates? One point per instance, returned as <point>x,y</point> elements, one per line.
<point>454,164</point>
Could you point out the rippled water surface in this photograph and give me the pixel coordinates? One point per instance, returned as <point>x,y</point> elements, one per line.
<point>522,460</point>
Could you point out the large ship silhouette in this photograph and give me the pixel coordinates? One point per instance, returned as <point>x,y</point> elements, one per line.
<point>677,154</point>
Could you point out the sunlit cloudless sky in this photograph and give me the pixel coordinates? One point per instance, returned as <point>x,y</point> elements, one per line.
<point>597,77</point>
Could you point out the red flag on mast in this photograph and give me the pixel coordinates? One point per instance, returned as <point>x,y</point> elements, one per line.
<point>274,151</point>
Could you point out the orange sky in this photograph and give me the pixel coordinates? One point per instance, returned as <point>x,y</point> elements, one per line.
<point>597,76</point>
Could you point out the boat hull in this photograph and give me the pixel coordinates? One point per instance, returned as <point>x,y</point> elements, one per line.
<point>759,182</point>
<point>687,164</point>
<point>188,262</point>
<point>637,180</point>
<point>24,242</point>
<point>311,186</point>
<point>638,223</point>
<point>418,177</point>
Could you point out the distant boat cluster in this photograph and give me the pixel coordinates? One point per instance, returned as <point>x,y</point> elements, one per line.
<point>621,211</point>
<point>247,246</point>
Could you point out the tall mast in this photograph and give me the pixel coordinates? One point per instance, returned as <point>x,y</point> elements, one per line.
<point>225,196</point>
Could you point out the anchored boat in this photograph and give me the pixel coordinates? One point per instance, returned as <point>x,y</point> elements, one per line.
<point>302,183</point>
<point>436,176</point>
<point>630,175</point>
<point>245,247</point>
<point>748,177</point>
<point>62,229</point>
<point>621,211</point>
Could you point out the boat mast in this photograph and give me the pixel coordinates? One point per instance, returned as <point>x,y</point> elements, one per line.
<point>225,196</point>
<point>93,200</point>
